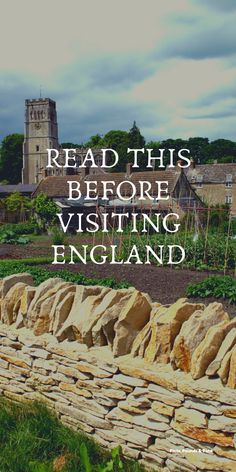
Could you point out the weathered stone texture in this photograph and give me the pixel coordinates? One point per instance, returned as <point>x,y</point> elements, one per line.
<point>107,370</point>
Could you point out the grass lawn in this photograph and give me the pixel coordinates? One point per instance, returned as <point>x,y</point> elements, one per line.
<point>33,440</point>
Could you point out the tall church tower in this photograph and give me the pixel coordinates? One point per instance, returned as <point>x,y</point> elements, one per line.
<point>41,133</point>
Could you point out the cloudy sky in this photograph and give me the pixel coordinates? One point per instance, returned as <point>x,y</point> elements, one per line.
<point>168,64</point>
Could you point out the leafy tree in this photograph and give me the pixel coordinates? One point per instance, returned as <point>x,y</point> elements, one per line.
<point>14,201</point>
<point>119,141</point>
<point>70,145</point>
<point>221,149</point>
<point>11,160</point>
<point>94,142</point>
<point>198,148</point>
<point>45,210</point>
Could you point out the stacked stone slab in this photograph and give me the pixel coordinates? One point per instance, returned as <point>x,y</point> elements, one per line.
<point>92,315</point>
<point>158,380</point>
<point>160,417</point>
<point>194,338</point>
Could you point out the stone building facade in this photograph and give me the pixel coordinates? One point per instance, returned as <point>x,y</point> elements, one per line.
<point>41,133</point>
<point>214,183</point>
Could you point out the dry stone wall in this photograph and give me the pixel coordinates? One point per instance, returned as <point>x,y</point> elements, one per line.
<point>125,370</point>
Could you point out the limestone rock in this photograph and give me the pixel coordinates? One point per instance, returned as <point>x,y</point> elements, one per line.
<point>232,370</point>
<point>11,280</point>
<point>227,344</point>
<point>179,464</point>
<point>223,371</point>
<point>84,417</point>
<point>71,328</point>
<point>94,310</point>
<point>41,324</point>
<point>225,452</point>
<point>222,423</point>
<point>138,420</point>
<point>127,380</point>
<point>40,292</point>
<point>160,374</point>
<point>212,408</point>
<point>171,398</point>
<point>103,331</point>
<point>203,434</point>
<point>191,417</point>
<point>165,325</point>
<point>163,409</point>
<point>207,349</point>
<point>193,332</point>
<point>211,462</point>
<point>66,288</point>
<point>133,317</point>
<point>62,311</point>
<point>142,340</point>
<point>228,410</point>
<point>19,321</point>
<point>11,303</point>
<point>26,300</point>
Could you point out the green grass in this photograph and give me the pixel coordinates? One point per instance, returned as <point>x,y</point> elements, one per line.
<point>40,274</point>
<point>32,439</point>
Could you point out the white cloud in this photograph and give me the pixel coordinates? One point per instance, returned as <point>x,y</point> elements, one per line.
<point>161,62</point>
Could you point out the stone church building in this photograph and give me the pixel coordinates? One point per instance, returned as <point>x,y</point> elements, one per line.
<point>41,133</point>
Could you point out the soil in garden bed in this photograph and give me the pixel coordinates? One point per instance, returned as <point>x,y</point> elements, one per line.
<point>163,284</point>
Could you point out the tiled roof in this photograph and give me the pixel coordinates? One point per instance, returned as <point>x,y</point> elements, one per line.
<point>22,188</point>
<point>57,187</point>
<point>212,173</point>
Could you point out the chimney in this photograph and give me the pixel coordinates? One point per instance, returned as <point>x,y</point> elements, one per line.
<point>215,161</point>
<point>192,164</point>
<point>128,169</point>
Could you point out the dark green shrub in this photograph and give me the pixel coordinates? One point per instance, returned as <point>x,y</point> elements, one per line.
<point>19,228</point>
<point>215,286</point>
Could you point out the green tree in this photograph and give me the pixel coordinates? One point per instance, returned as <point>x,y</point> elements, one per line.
<point>16,202</point>
<point>221,149</point>
<point>70,145</point>
<point>45,210</point>
<point>119,141</point>
<point>11,160</point>
<point>198,147</point>
<point>94,142</point>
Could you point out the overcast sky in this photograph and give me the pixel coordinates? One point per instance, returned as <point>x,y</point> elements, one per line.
<point>168,64</point>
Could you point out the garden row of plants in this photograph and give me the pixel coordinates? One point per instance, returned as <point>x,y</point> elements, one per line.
<point>215,252</point>
<point>216,286</point>
<point>33,440</point>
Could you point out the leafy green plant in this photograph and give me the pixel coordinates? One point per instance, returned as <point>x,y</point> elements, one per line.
<point>45,210</point>
<point>215,286</point>
<point>210,254</point>
<point>58,237</point>
<point>9,237</point>
<point>115,464</point>
<point>18,228</point>
<point>33,439</point>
